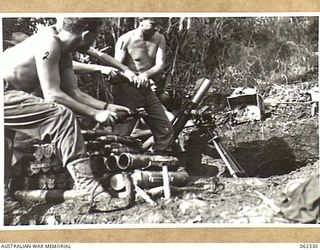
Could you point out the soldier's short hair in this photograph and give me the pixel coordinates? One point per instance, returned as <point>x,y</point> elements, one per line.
<point>153,19</point>
<point>78,25</point>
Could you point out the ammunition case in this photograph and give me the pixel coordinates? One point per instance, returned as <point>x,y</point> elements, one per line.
<point>34,168</point>
<point>118,148</point>
<point>51,181</point>
<point>135,161</point>
<point>150,179</point>
<point>45,165</point>
<point>47,182</point>
<point>93,134</point>
<point>117,182</point>
<point>41,151</point>
<point>38,152</point>
<point>42,182</point>
<point>48,150</point>
<point>107,138</point>
<point>93,145</point>
<point>127,140</point>
<point>112,163</point>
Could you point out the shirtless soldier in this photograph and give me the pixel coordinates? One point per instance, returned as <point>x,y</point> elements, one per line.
<point>44,60</point>
<point>143,51</point>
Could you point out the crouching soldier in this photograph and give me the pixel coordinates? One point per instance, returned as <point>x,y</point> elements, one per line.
<point>44,60</point>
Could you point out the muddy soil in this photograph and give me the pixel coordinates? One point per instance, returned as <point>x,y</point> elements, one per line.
<point>279,150</point>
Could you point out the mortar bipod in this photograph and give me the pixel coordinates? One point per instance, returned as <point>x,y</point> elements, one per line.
<point>232,165</point>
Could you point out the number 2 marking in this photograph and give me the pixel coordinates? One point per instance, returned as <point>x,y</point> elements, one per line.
<point>45,56</point>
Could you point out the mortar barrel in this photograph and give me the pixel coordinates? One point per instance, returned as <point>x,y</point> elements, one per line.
<point>204,87</point>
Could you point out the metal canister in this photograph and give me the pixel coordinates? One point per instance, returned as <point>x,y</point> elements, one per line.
<point>118,148</point>
<point>112,163</point>
<point>150,179</point>
<point>93,145</point>
<point>45,165</point>
<point>117,182</point>
<point>42,182</point>
<point>38,151</point>
<point>48,150</point>
<point>51,181</point>
<point>34,168</point>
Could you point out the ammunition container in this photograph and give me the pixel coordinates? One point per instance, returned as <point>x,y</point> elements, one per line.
<point>93,145</point>
<point>48,150</point>
<point>38,152</point>
<point>33,168</point>
<point>118,148</point>
<point>112,163</point>
<point>45,165</point>
<point>107,138</point>
<point>93,134</point>
<point>50,181</point>
<point>117,182</point>
<point>135,161</point>
<point>150,179</point>
<point>42,182</point>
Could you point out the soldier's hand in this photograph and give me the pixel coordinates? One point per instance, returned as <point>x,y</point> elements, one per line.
<point>109,71</point>
<point>131,76</point>
<point>143,80</point>
<point>106,117</point>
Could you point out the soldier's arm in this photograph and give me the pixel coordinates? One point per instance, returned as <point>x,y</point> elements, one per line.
<point>121,48</point>
<point>109,60</point>
<point>47,58</point>
<point>49,66</point>
<point>106,59</point>
<point>120,55</point>
<point>85,68</point>
<point>69,84</point>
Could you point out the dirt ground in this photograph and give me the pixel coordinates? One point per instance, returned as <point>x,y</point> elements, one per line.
<point>219,198</point>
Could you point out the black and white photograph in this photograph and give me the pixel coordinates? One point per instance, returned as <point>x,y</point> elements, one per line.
<point>160,120</point>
